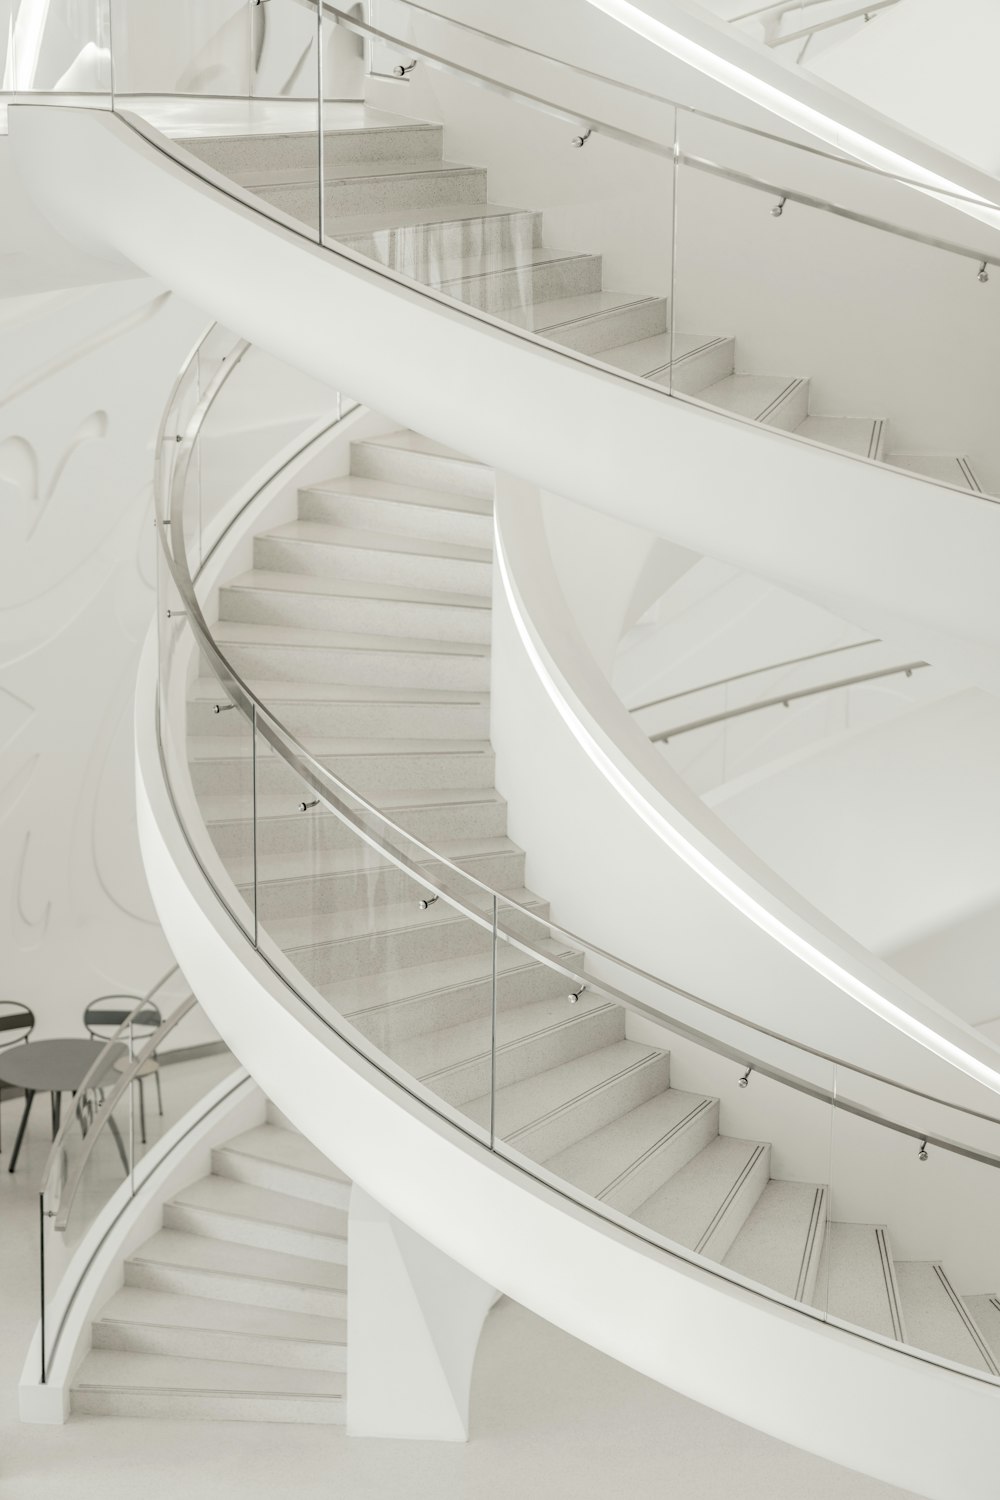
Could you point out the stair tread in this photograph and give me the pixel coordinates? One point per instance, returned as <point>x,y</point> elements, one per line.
<point>861,435</point>
<point>859,1283</point>
<point>346,226</point>
<point>351,171</point>
<point>936,1317</point>
<point>985,1309</point>
<point>254,633</point>
<point>271,581</point>
<point>492,262</point>
<point>406,440</point>
<point>403,494</point>
<point>246,1201</point>
<point>346,925</point>
<point>529,1101</point>
<point>946,467</point>
<point>275,691</point>
<point>327,534</point>
<point>597,1163</point>
<point>690,1202</point>
<point>197,1252</point>
<point>285,1148</point>
<point>315,863</point>
<point>208,747</point>
<point>433,1053</point>
<point>651,356</point>
<point>782,1237</point>
<point>355,997</point>
<point>176,1310</point>
<point>226,807</point>
<point>754,396</point>
<point>112,1369</point>
<point>340,117</point>
<point>560,312</point>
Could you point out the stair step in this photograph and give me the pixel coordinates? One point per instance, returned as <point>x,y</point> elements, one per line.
<point>145,1322</point>
<point>776,400</point>
<point>944,467</point>
<point>371,766</point>
<point>197,1266</point>
<point>367,187</point>
<point>511,278</point>
<point>285,1162</point>
<point>409,458</point>
<point>857,1280</point>
<point>320,603</point>
<point>543,1115</point>
<point>365,504</point>
<point>336,552</point>
<point>985,1313</point>
<point>330,708</point>
<point>861,435</point>
<point>698,359</point>
<point>226,1210</point>
<point>782,1240</point>
<point>150,1385</point>
<point>937,1319</point>
<point>411,240</point>
<point>594,321</point>
<point>316,655</point>
<point>381,136</point>
<point>625,1162</point>
<point>705,1204</point>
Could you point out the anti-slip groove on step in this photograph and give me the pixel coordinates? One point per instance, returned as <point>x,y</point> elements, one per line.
<point>720,1213</point>
<point>971,1326</point>
<point>891,1290</point>
<point>702,1108</point>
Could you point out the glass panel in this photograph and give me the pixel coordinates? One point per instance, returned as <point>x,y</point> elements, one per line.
<point>915,1226</point>
<point>182,51</point>
<point>218,777</point>
<point>621,1106</point>
<point>408,976</point>
<point>63,48</point>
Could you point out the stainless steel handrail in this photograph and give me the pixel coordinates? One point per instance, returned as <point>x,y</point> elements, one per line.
<point>784,699</point>
<point>866,11</point>
<point>344,802</point>
<point>774,666</point>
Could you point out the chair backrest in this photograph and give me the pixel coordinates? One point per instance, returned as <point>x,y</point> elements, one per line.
<point>105,1014</point>
<point>16,1023</point>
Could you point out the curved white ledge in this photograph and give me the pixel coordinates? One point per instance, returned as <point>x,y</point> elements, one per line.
<point>861,539</point>
<point>671,1319</point>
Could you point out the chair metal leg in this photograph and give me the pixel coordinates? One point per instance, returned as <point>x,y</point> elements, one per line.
<point>142,1111</point>
<point>159,1093</point>
<point>29,1099</point>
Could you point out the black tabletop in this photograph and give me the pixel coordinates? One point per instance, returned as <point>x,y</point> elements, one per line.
<point>58,1065</point>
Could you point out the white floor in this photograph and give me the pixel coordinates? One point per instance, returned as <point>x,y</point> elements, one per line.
<point>551,1418</point>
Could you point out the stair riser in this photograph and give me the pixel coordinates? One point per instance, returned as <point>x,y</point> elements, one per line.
<point>663,1162</point>
<point>365,773</point>
<point>237,1166</point>
<point>265,153</point>
<point>718,1245</point>
<point>699,370</point>
<point>210,1406</point>
<point>218,1286</point>
<point>391,1024</point>
<point>367,616</point>
<point>606,330</point>
<point>593,1111</point>
<point>416,251</point>
<point>361,668</point>
<point>523,286</point>
<point>429,471</point>
<point>387,886</point>
<point>301,832</point>
<point>532,1056</point>
<point>372,513</point>
<point>364,565</point>
<point>323,963</point>
<point>256,1232</point>
<point>791,411</point>
<point>427,187</point>
<point>460,721</point>
<point>210,1343</point>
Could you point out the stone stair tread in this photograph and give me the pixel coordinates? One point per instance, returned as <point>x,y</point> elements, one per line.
<point>280,691</point>
<point>208,747</point>
<point>349,171</point>
<point>326,534</point>
<point>177,1310</point>
<point>322,927</point>
<point>109,1369</point>
<point>224,807</point>
<point>857,1281</point>
<point>265,579</point>
<point>780,1243</point>
<point>753,396</point>
<point>946,467</point>
<point>340,116</point>
<point>936,1317</point>
<point>243,1200</point>
<point>861,435</point>
<point>356,997</point>
<point>197,1252</point>
<point>688,1204</point>
<point>435,1052</point>
<point>346,226</point>
<point>985,1311</point>
<point>651,356</point>
<point>492,262</point>
<point>284,1148</point>
<point>316,863</point>
<point>596,1163</point>
<point>559,312</point>
<point>525,1103</point>
<point>403,494</point>
<point>254,633</point>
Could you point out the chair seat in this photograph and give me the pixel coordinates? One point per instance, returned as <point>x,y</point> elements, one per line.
<point>151,1065</point>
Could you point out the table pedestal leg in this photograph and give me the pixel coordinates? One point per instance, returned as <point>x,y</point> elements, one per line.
<point>113,1127</point>
<point>29,1099</point>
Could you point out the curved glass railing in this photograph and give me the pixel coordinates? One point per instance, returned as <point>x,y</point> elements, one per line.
<point>459,987</point>
<point>150,1073</point>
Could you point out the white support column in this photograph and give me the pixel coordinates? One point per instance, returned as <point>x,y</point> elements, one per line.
<point>414,1320</point>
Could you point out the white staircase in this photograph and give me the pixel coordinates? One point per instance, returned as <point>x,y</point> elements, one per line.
<point>390,195</point>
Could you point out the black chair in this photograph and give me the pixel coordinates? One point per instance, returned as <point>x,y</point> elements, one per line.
<point>102,1018</point>
<point>17,1023</point>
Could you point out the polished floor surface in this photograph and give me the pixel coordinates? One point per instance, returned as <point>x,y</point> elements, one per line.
<point>551,1418</point>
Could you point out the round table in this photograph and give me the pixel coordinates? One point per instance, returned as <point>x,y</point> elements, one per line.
<point>57,1066</point>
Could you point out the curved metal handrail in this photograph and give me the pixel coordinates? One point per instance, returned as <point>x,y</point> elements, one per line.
<point>345,803</point>
<point>784,699</point>
<point>774,666</point>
